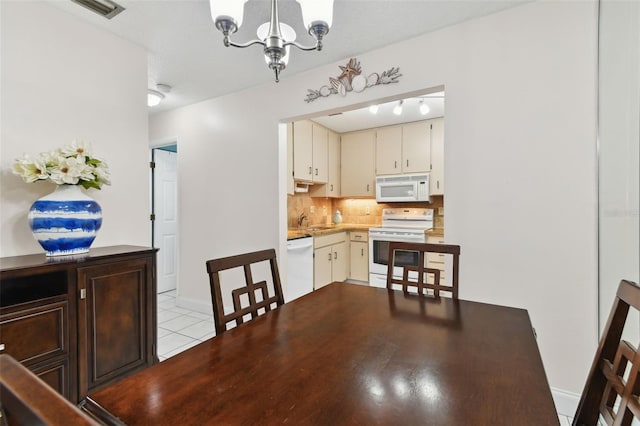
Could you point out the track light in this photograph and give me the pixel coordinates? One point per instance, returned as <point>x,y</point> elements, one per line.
<point>397,110</point>
<point>424,108</point>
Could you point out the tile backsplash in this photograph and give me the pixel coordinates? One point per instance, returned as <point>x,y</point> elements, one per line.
<point>319,211</point>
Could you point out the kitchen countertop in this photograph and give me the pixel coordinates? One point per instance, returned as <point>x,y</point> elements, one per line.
<point>318,230</point>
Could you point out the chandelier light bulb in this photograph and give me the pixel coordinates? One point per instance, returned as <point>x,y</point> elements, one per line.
<point>373,109</point>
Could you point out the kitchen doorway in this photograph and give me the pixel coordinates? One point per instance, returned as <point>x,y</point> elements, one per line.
<point>164,203</point>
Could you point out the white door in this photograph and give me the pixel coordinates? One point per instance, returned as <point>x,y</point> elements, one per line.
<point>165,232</point>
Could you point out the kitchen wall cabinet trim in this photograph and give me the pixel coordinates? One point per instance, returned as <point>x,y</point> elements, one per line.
<point>46,325</point>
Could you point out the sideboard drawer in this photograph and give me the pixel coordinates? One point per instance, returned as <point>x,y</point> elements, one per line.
<point>36,333</point>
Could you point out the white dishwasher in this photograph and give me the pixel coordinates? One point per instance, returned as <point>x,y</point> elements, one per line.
<point>299,268</point>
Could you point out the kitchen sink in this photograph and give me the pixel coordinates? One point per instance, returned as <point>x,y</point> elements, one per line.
<point>318,228</point>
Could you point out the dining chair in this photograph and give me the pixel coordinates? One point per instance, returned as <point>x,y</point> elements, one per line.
<point>25,399</point>
<point>612,388</point>
<point>412,265</point>
<point>244,297</point>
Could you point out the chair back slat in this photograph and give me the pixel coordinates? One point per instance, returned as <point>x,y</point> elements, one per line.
<point>249,289</point>
<point>613,384</point>
<point>421,275</point>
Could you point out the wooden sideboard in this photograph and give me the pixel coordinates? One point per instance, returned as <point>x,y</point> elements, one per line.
<point>80,322</point>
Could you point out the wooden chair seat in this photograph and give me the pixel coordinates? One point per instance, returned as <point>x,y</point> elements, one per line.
<point>613,386</point>
<point>419,275</point>
<point>244,297</point>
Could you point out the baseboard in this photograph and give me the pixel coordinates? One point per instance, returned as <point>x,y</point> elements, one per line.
<point>195,305</point>
<point>566,402</point>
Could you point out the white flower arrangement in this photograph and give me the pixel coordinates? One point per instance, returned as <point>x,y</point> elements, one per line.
<point>70,165</point>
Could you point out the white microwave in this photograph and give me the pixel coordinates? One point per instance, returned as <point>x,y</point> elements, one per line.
<point>402,188</point>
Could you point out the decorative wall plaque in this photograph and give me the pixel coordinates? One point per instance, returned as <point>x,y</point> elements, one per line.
<point>352,79</point>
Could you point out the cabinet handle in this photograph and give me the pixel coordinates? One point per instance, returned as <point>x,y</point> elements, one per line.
<point>395,164</point>
<point>335,255</point>
<point>362,252</point>
<point>329,256</point>
<point>331,187</point>
<point>1,347</point>
<point>316,171</point>
<point>357,237</point>
<point>83,293</point>
<point>310,170</point>
<point>407,163</point>
<point>438,184</point>
<point>367,187</point>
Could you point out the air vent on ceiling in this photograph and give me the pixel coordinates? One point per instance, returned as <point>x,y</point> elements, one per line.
<point>105,8</point>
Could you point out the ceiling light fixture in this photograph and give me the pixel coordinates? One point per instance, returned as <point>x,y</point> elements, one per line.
<point>274,36</point>
<point>106,8</point>
<point>154,97</point>
<point>424,108</point>
<point>397,110</point>
<point>373,109</point>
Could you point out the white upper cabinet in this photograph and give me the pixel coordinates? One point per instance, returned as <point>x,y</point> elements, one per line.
<point>416,154</point>
<point>358,174</point>
<point>403,149</point>
<point>389,150</point>
<point>436,180</point>
<point>332,188</point>
<point>320,154</point>
<point>310,152</point>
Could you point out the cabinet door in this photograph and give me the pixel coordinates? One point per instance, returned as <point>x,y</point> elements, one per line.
<point>358,164</point>
<point>436,180</point>
<point>322,266</point>
<point>332,188</point>
<point>359,261</point>
<point>303,150</point>
<point>340,261</point>
<point>320,156</point>
<point>115,321</point>
<point>388,150</point>
<point>416,147</point>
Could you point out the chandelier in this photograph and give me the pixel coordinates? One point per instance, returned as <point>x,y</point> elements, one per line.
<point>276,37</point>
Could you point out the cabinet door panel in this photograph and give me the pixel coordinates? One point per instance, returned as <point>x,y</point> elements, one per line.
<point>416,147</point>
<point>358,164</point>
<point>322,267</point>
<point>303,150</point>
<point>388,150</point>
<point>320,154</point>
<point>340,260</point>
<point>115,319</point>
<point>359,261</point>
<point>436,181</point>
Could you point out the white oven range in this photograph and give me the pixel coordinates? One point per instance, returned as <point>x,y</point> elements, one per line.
<point>398,224</point>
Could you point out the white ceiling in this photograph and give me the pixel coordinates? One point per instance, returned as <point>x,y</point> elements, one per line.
<point>185,50</point>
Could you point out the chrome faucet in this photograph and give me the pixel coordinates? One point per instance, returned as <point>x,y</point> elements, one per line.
<point>301,218</point>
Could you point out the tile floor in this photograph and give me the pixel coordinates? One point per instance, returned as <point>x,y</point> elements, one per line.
<point>179,329</point>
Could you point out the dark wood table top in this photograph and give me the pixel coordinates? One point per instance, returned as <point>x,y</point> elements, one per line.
<point>350,354</point>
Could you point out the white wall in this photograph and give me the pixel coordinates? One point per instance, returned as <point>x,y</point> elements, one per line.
<point>63,79</point>
<point>520,164</point>
<point>619,151</point>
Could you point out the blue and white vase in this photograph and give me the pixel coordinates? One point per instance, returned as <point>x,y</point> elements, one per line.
<point>66,221</point>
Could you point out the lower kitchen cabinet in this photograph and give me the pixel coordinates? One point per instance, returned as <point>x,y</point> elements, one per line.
<point>359,251</point>
<point>438,260</point>
<point>330,259</point>
<point>80,322</point>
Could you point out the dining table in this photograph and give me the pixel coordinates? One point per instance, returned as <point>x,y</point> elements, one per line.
<point>348,354</point>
